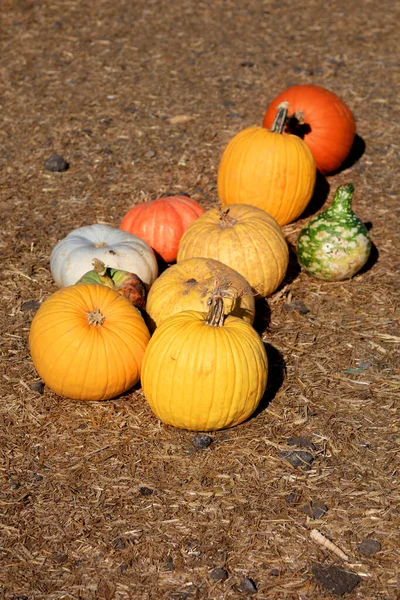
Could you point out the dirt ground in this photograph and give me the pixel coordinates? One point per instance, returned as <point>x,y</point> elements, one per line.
<point>99,500</point>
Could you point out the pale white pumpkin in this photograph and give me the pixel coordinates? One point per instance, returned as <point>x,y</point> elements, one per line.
<point>73,255</point>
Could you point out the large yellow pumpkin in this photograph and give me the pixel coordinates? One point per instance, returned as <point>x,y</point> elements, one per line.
<point>188,285</point>
<point>267,169</point>
<point>203,371</point>
<point>245,238</point>
<point>87,342</point>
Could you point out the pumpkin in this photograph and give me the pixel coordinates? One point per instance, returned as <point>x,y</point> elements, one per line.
<point>87,342</point>
<point>72,256</point>
<point>162,222</point>
<point>335,244</point>
<point>269,170</point>
<point>127,284</point>
<point>321,119</point>
<point>245,238</point>
<point>202,371</point>
<point>188,285</point>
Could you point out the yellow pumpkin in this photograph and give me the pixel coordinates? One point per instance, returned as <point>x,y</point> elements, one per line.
<point>267,169</point>
<point>204,372</point>
<point>188,285</point>
<point>245,238</point>
<point>87,342</point>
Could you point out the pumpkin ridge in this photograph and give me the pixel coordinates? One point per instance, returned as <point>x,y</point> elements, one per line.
<point>266,271</point>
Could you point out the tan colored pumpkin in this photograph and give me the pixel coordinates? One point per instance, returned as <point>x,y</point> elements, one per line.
<point>245,238</point>
<point>203,371</point>
<point>269,170</point>
<point>189,284</point>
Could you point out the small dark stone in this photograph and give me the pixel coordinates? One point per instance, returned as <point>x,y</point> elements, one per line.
<point>168,565</point>
<point>179,595</point>
<point>60,557</point>
<point>298,458</point>
<point>30,305</point>
<point>368,547</point>
<point>219,574</point>
<point>38,387</point>
<point>146,491</point>
<point>292,499</point>
<point>201,440</point>
<point>298,306</point>
<point>301,442</point>
<point>56,163</point>
<point>314,510</point>
<point>247,586</point>
<point>14,485</point>
<point>124,567</point>
<point>119,543</point>
<point>275,572</point>
<point>247,63</point>
<point>37,477</point>
<point>19,598</point>
<point>335,579</point>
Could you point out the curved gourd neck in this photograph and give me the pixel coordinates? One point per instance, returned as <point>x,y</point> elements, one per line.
<point>343,199</point>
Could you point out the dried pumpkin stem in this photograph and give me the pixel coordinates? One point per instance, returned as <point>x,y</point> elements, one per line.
<point>225,220</point>
<point>216,312</point>
<point>95,317</point>
<point>99,267</point>
<point>215,316</point>
<point>281,117</point>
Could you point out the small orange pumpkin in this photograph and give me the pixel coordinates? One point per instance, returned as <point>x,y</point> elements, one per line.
<point>87,342</point>
<point>269,170</point>
<point>321,119</point>
<point>161,223</point>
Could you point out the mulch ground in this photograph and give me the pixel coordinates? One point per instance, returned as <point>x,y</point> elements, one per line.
<point>100,500</point>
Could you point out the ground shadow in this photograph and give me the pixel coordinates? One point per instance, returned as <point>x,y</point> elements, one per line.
<point>276,377</point>
<point>263,316</point>
<point>372,259</point>
<point>356,152</point>
<point>319,197</point>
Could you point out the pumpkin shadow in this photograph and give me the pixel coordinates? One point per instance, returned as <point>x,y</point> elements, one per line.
<point>262,317</point>
<point>356,152</point>
<point>276,377</point>
<point>319,197</point>
<point>372,259</point>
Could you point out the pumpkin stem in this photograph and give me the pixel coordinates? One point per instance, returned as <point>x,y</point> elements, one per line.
<point>95,317</point>
<point>281,117</point>
<point>296,125</point>
<point>215,316</point>
<point>225,220</point>
<point>99,267</point>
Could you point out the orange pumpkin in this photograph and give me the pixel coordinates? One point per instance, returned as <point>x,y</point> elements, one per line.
<point>161,223</point>
<point>321,119</point>
<point>87,342</point>
<point>269,170</point>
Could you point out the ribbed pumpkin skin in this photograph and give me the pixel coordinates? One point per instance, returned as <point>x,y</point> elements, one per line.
<point>199,377</point>
<point>73,256</point>
<point>272,171</point>
<point>188,285</point>
<point>83,361</point>
<point>161,223</point>
<point>331,122</point>
<point>254,245</point>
